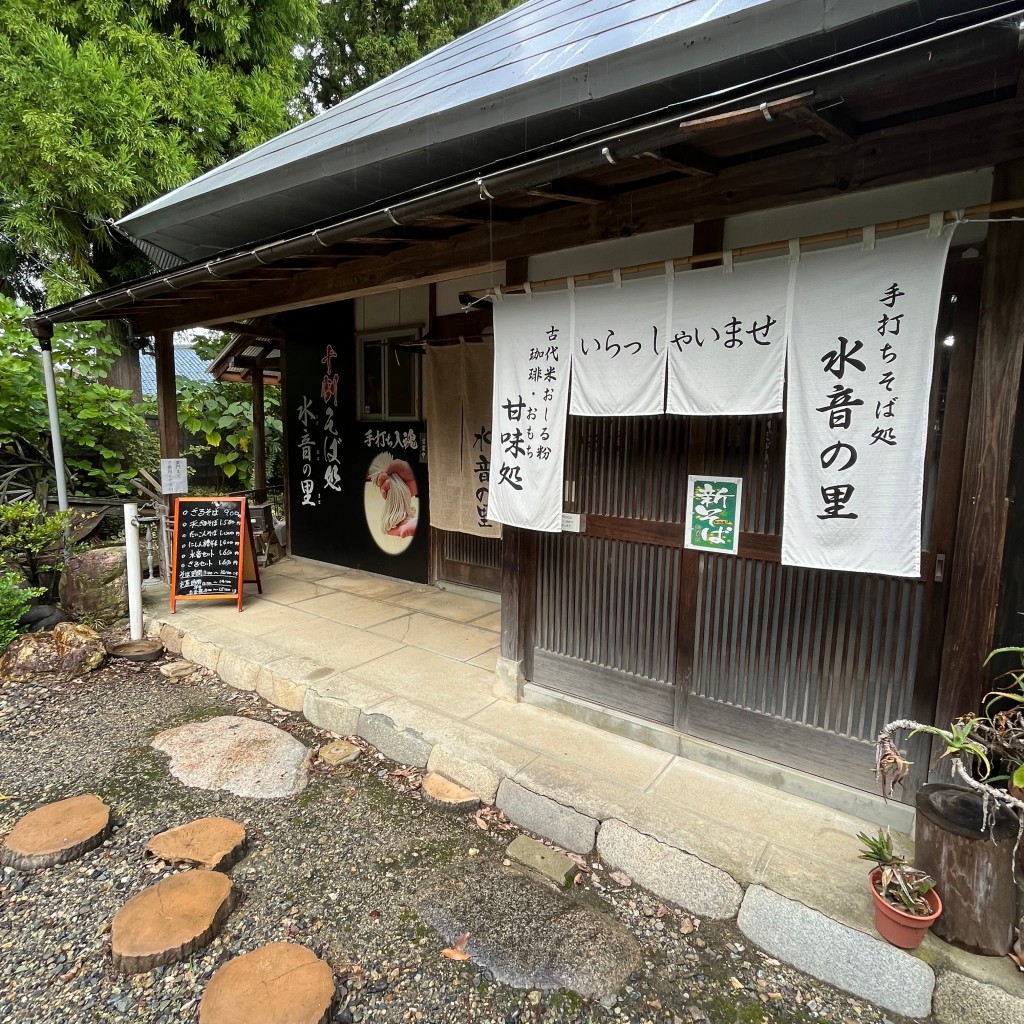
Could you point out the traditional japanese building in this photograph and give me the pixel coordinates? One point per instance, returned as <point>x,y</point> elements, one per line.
<point>362,256</point>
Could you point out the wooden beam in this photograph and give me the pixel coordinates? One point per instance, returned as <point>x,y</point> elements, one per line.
<point>518,593</point>
<point>574,192</point>
<point>259,437</point>
<point>166,394</point>
<point>765,112</point>
<point>832,125</point>
<point>252,330</point>
<point>964,141</point>
<point>981,524</point>
<point>255,362</point>
<point>686,160</point>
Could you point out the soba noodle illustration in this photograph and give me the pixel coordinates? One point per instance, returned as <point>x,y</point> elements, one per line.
<point>398,499</point>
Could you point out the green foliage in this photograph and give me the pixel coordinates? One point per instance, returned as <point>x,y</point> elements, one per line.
<point>106,438</point>
<point>15,599</point>
<point>106,104</point>
<point>222,415</point>
<point>32,543</point>
<point>363,41</point>
<point>905,887</point>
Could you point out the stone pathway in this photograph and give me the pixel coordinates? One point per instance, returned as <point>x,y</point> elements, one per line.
<point>212,843</point>
<point>56,833</point>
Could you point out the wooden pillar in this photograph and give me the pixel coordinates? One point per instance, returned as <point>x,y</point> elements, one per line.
<point>166,394</point>
<point>259,435</point>
<point>981,522</point>
<point>518,603</point>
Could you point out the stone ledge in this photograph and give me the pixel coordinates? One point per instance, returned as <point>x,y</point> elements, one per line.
<point>832,952</point>
<point>562,825</point>
<point>668,871</point>
<point>961,1000</point>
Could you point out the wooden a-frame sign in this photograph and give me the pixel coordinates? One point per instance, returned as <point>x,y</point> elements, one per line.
<point>214,551</point>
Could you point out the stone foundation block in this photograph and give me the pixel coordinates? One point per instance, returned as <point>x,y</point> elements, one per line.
<point>402,745</point>
<point>479,778</point>
<point>962,1000</point>
<point>562,825</point>
<point>330,713</point>
<point>170,637</point>
<point>835,953</point>
<point>236,671</point>
<point>281,690</point>
<point>508,680</point>
<point>668,871</point>
<point>199,652</point>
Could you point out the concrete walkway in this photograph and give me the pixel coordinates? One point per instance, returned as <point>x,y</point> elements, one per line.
<point>411,669</point>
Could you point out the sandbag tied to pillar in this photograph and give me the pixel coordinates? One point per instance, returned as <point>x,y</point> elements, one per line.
<point>619,348</point>
<point>861,350</point>
<point>532,347</point>
<point>726,340</point>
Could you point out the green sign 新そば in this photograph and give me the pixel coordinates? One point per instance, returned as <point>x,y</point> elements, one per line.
<point>713,514</point>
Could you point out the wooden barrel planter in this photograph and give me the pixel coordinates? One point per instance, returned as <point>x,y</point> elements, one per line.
<point>973,872</point>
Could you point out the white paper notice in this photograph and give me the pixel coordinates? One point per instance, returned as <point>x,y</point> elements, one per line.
<point>531,390</point>
<point>618,353</point>
<point>727,340</point>
<point>861,352</point>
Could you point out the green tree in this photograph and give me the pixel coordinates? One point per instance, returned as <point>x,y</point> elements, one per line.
<point>106,438</point>
<point>362,41</point>
<point>106,104</point>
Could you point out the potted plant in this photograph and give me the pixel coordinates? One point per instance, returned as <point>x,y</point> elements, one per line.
<point>975,744</point>
<point>905,899</point>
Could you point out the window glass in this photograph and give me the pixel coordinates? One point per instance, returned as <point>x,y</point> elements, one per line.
<point>402,383</point>
<point>373,380</point>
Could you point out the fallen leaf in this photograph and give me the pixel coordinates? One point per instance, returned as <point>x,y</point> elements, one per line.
<point>480,823</point>
<point>686,926</point>
<point>462,942</point>
<point>621,878</point>
<point>454,954</point>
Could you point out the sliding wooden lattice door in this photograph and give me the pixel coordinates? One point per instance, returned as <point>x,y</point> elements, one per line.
<point>798,666</point>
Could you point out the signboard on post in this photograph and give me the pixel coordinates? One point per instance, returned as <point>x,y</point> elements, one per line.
<point>214,551</point>
<point>173,476</point>
<point>713,514</point>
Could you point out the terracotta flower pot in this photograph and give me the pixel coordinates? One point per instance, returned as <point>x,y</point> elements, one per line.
<point>896,926</point>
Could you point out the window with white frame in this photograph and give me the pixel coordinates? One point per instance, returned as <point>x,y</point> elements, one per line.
<point>388,375</point>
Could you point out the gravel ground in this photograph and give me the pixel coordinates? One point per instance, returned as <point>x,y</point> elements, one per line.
<point>337,868</point>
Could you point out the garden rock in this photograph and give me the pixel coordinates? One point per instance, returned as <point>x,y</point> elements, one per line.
<point>40,618</point>
<point>68,651</point>
<point>95,584</point>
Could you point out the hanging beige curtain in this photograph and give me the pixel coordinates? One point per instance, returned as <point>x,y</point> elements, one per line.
<point>458,407</point>
<point>478,379</point>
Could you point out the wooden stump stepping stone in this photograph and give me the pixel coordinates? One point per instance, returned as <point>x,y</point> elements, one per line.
<point>283,983</point>
<point>212,843</point>
<point>56,833</point>
<point>448,795</point>
<point>170,920</point>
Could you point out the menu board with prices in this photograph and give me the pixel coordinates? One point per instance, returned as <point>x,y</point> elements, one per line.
<point>214,550</point>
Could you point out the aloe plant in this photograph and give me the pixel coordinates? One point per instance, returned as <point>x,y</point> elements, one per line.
<point>902,885</point>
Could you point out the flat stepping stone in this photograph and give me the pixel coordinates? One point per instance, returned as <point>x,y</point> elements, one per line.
<point>211,843</point>
<point>56,833</point>
<point>527,934</point>
<point>547,863</point>
<point>170,920</point>
<point>177,669</point>
<point>240,755</point>
<point>338,752</point>
<point>282,983</point>
<point>448,795</point>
